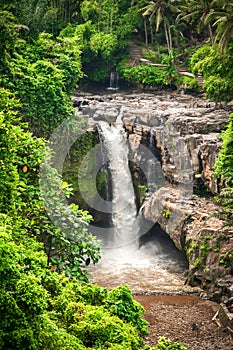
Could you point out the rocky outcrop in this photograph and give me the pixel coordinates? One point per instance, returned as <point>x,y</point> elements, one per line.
<point>186,133</point>
<point>196,226</point>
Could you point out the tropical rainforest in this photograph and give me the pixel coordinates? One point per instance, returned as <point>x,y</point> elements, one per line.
<point>47,49</point>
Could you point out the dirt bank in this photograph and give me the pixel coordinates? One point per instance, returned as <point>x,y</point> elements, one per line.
<point>186,319</point>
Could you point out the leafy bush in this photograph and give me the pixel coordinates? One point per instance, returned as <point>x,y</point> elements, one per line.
<point>22,296</point>
<point>96,327</point>
<point>146,75</point>
<point>216,69</point>
<point>199,56</point>
<point>218,88</point>
<point>121,303</point>
<point>186,82</point>
<point>224,164</point>
<point>103,44</point>
<point>42,310</point>
<point>166,344</point>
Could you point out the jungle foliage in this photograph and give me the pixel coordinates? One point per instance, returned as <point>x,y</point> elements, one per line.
<point>89,38</point>
<point>28,185</point>
<point>46,49</point>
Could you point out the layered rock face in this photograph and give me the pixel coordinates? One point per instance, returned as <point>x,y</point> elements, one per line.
<point>197,226</point>
<point>182,134</point>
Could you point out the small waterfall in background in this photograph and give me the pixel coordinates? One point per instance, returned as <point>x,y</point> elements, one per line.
<point>124,211</point>
<point>114,80</point>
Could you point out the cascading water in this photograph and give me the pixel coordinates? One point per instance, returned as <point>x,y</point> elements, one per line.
<point>142,264</point>
<point>124,211</point>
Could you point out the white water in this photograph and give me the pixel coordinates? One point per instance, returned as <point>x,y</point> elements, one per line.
<point>124,211</point>
<point>114,81</point>
<point>156,265</point>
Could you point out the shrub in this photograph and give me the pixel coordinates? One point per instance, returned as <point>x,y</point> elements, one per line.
<point>42,310</point>
<point>146,75</point>
<point>224,164</point>
<point>186,82</point>
<point>216,69</point>
<point>166,344</point>
<point>121,303</point>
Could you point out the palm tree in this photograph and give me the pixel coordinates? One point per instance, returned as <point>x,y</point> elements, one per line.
<point>198,10</point>
<point>160,11</point>
<point>224,22</point>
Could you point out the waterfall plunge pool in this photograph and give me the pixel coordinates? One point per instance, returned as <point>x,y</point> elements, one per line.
<point>153,264</point>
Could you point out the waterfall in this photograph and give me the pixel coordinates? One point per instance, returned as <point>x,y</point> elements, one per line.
<point>114,80</point>
<point>124,211</point>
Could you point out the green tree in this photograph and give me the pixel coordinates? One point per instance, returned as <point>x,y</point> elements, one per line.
<point>43,75</point>
<point>197,11</point>
<point>43,15</point>
<point>223,20</point>
<point>8,35</point>
<point>69,247</point>
<point>102,13</point>
<point>160,11</point>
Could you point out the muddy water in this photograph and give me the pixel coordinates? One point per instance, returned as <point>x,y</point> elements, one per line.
<point>157,266</point>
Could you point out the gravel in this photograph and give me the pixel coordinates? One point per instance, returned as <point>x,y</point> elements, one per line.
<point>186,319</point>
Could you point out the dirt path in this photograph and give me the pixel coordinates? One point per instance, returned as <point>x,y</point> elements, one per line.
<point>186,319</point>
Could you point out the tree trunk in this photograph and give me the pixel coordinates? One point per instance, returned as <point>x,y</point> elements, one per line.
<point>169,36</point>
<point>166,36</point>
<point>151,34</point>
<point>146,33</point>
<point>211,34</point>
<point>158,48</point>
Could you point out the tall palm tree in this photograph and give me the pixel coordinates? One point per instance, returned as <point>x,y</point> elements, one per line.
<point>197,10</point>
<point>161,11</point>
<point>224,22</point>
